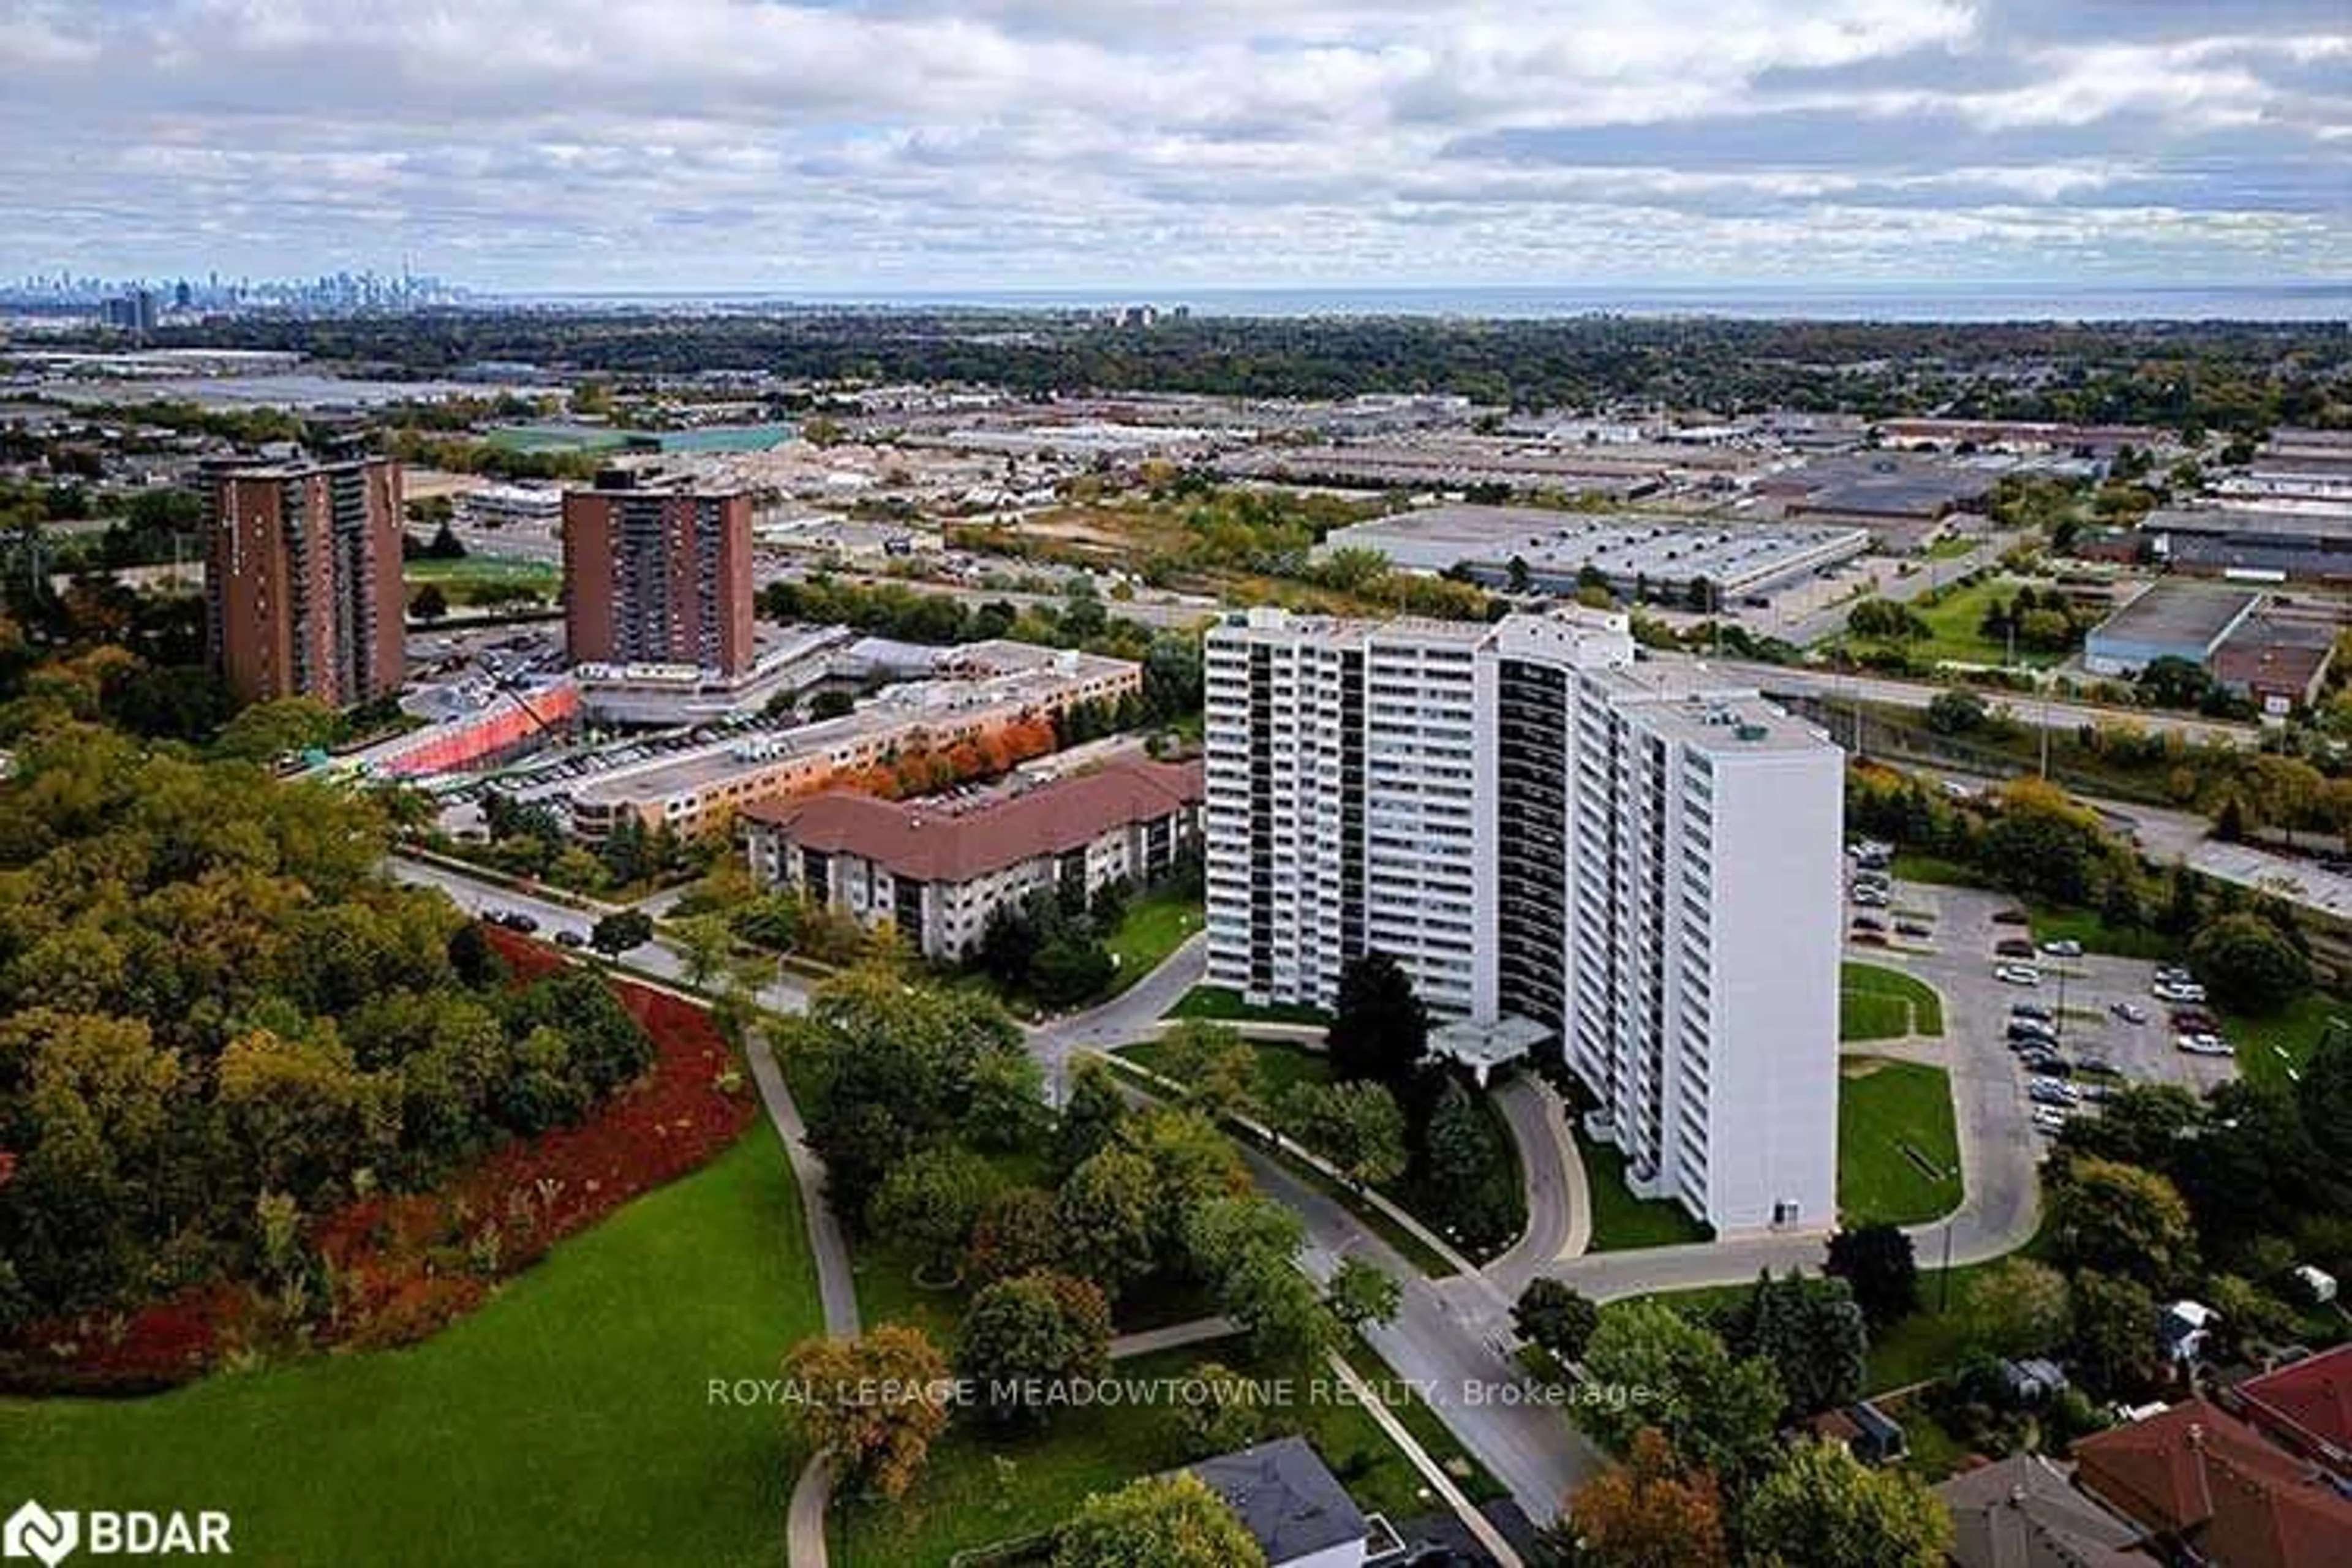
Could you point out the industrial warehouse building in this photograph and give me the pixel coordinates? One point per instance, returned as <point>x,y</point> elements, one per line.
<point>2175,618</point>
<point>1637,556</point>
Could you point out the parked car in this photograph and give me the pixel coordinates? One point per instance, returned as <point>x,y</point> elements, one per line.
<point>567,938</point>
<point>522,923</point>
<point>2098,1066</point>
<point>1868,923</point>
<point>2049,1120</point>
<point>2011,918</point>
<point>1869,939</point>
<point>2129,1012</point>
<point>2013,947</point>
<point>1911,928</point>
<point>2205,1044</point>
<point>2052,1091</point>
<point>2025,1032</point>
<point>2174,991</point>
<point>2173,973</point>
<point>2017,974</point>
<point>1876,898</point>
<point>2034,1010</point>
<point>2195,1021</point>
<point>2063,947</point>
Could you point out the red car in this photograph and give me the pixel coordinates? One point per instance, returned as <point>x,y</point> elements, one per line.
<point>2011,918</point>
<point>2013,947</point>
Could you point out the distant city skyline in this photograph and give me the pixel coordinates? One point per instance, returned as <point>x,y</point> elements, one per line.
<point>899,146</point>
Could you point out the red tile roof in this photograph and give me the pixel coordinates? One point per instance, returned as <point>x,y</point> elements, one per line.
<point>2199,1475</point>
<point>924,842</point>
<point>2308,1405</point>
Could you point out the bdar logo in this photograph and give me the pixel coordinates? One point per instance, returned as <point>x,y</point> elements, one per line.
<point>34,1532</point>
<point>52,1535</point>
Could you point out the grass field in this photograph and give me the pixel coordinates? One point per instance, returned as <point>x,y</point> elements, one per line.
<point>1879,1003</point>
<point>1217,1003</point>
<point>1622,1222</point>
<point>1911,866</point>
<point>1281,1067</point>
<point>1890,1117</point>
<point>1952,623</point>
<point>566,1422</point>
<point>2269,1044</point>
<point>2097,936</point>
<point>976,1492</point>
<point>472,568</point>
<point>1153,927</point>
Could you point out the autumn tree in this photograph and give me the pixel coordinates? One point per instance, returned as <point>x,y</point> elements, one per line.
<point>1357,1126</point>
<point>875,1403</point>
<point>1649,1512</point>
<point>1716,1410</point>
<point>932,1200</point>
<point>1023,1339</point>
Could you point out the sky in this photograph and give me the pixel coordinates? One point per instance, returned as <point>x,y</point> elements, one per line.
<point>1153,145</point>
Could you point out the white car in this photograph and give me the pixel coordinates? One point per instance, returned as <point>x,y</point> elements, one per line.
<point>2177,990</point>
<point>2205,1044</point>
<point>1875,896</point>
<point>2063,947</point>
<point>2048,1119</point>
<point>2047,1090</point>
<point>2017,974</point>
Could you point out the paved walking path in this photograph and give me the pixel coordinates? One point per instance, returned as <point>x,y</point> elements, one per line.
<point>1175,1336</point>
<point>805,1543</point>
<point>1482,1530</point>
<point>1558,1194</point>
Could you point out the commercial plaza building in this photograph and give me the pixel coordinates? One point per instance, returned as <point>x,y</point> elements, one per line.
<point>302,594</point>
<point>1641,860</point>
<point>656,573</point>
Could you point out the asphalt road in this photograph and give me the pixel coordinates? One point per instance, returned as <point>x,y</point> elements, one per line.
<point>1126,1017</point>
<point>1835,686</point>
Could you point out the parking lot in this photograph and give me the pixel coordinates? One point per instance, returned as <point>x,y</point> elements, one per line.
<point>1999,1144</point>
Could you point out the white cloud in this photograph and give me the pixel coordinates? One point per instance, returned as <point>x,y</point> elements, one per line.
<point>711,143</point>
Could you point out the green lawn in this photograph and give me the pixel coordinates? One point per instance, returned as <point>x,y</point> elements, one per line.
<point>1221,1005</point>
<point>472,568</point>
<point>1910,865</point>
<point>1952,622</point>
<point>2269,1044</point>
<point>1890,1117</point>
<point>977,1490</point>
<point>2097,936</point>
<point>1873,996</point>
<point>1622,1222</point>
<point>567,1422</point>
<point>1153,927</point>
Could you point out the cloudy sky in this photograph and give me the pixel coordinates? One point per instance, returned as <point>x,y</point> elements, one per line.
<point>882,145</point>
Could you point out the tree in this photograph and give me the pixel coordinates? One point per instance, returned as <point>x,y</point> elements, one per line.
<point>704,943</point>
<point>429,604</point>
<point>2248,964</point>
<point>875,1403</point>
<point>1213,1061</point>
<point>621,931</point>
<point>1092,1118</point>
<point>1359,1293</point>
<point>1016,1232</point>
<point>2173,682</point>
<point>1358,1126</point>
<point>1246,1249</point>
<point>1717,1411</point>
<point>1229,1411</point>
<point>1820,1508</point>
<point>1648,1513</point>
<point>1879,1262</point>
<point>2018,1308</point>
<point>288,726</point>
<point>1955,712</point>
<point>1810,1330</point>
<point>1026,1339</point>
<point>1070,967</point>
<point>1159,1521</point>
<point>1467,1174</point>
<point>2123,1220</point>
<point>2324,1096</point>
<point>932,1200</point>
<point>1380,1030</point>
<point>1107,1211</point>
<point>1556,1316</point>
<point>2113,1341</point>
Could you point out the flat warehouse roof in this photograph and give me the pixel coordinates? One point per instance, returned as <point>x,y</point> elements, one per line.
<point>1619,545</point>
<point>2178,614</point>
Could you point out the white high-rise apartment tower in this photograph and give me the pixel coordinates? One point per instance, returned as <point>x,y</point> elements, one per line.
<point>1640,859</point>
